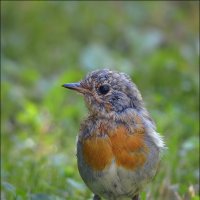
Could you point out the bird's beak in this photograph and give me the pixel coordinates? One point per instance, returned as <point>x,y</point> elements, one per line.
<point>74,86</point>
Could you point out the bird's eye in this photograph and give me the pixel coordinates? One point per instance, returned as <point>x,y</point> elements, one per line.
<point>104,89</point>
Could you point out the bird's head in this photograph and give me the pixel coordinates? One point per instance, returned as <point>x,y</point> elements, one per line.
<point>107,93</point>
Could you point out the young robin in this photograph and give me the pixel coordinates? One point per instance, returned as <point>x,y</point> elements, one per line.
<point>118,148</point>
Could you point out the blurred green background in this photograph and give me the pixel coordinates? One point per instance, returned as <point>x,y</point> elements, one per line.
<point>47,43</point>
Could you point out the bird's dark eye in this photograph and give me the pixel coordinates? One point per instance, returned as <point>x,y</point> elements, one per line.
<point>104,89</point>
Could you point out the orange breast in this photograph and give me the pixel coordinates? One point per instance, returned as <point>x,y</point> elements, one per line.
<point>97,152</point>
<point>129,150</point>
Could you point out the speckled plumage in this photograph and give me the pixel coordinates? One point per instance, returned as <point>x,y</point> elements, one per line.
<point>118,148</point>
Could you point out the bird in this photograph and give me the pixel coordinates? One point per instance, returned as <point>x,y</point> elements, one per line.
<point>118,147</point>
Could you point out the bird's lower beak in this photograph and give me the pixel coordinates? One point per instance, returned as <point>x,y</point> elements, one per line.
<point>74,86</point>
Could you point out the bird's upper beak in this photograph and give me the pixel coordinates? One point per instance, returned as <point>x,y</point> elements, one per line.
<point>75,86</point>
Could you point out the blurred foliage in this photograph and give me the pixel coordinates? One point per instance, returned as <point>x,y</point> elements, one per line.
<point>47,43</point>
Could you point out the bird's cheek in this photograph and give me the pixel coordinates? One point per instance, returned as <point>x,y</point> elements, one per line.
<point>108,107</point>
<point>91,103</point>
<point>88,101</point>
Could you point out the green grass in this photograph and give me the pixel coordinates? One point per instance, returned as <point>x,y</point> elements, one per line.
<point>46,44</point>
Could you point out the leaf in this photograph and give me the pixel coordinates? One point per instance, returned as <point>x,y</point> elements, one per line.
<point>9,187</point>
<point>41,197</point>
<point>75,184</point>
